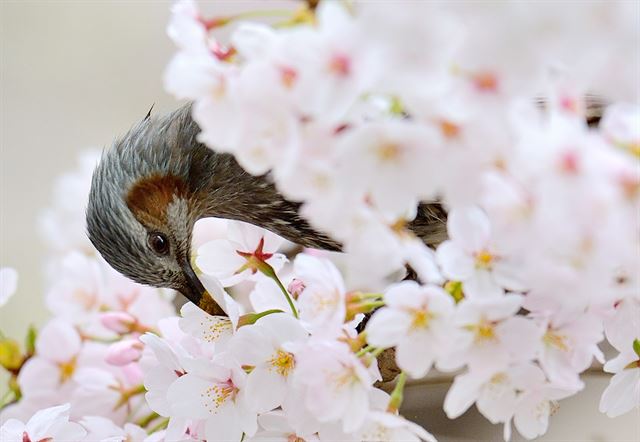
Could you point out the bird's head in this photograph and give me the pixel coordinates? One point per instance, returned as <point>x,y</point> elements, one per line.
<point>142,208</point>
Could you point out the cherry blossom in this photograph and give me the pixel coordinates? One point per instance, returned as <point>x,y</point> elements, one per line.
<point>415,317</point>
<point>214,391</point>
<point>263,346</point>
<point>47,424</point>
<point>470,256</point>
<point>104,430</point>
<point>322,303</point>
<point>534,407</point>
<point>494,392</point>
<point>490,335</point>
<point>59,352</point>
<point>569,347</point>
<point>335,383</point>
<point>274,426</point>
<point>623,392</point>
<point>239,257</point>
<point>362,112</point>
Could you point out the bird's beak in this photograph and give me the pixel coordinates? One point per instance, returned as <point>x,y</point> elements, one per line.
<point>194,290</point>
<point>197,293</point>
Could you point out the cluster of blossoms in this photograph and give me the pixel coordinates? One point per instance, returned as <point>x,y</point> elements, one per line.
<point>78,378</point>
<point>361,110</point>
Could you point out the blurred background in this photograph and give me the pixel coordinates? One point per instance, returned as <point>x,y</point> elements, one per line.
<point>76,74</point>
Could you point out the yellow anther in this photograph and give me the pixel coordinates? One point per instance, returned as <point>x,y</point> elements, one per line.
<point>555,340</point>
<point>282,362</point>
<point>67,369</point>
<point>421,319</point>
<point>484,259</point>
<point>388,152</point>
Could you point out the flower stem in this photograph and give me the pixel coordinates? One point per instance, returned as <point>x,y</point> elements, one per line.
<point>159,426</point>
<point>7,399</point>
<point>398,394</point>
<point>365,350</point>
<point>145,421</point>
<point>268,271</point>
<point>265,13</point>
<point>252,318</point>
<point>371,295</point>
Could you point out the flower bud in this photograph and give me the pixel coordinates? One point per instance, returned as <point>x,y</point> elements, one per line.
<point>124,352</point>
<point>119,322</point>
<point>10,357</point>
<point>296,287</point>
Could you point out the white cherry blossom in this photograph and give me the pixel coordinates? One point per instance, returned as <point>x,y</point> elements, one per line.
<point>322,303</point>
<point>494,392</point>
<point>263,346</point>
<point>416,320</point>
<point>569,346</point>
<point>470,256</point>
<point>214,391</point>
<point>237,258</point>
<point>274,426</point>
<point>50,424</point>
<point>623,392</point>
<point>335,383</point>
<point>490,335</point>
<point>534,408</point>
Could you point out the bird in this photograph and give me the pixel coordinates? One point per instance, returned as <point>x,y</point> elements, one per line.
<point>152,185</point>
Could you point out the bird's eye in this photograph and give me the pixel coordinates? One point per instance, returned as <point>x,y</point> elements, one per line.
<point>158,243</point>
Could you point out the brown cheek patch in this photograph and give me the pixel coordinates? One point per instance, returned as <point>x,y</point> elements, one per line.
<point>149,197</point>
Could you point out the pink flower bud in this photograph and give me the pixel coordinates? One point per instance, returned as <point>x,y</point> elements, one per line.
<point>124,352</point>
<point>133,374</point>
<point>296,287</point>
<point>119,322</point>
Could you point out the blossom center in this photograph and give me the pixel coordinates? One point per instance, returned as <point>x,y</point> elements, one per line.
<point>216,327</point>
<point>326,301</point>
<point>449,129</point>
<point>67,369</point>
<point>288,76</point>
<point>388,152</point>
<point>484,259</point>
<point>421,318</point>
<point>254,260</point>
<point>377,432</point>
<point>282,362</point>
<point>485,82</point>
<point>27,438</point>
<point>87,299</point>
<point>345,377</point>
<point>570,162</point>
<point>340,64</point>
<point>555,340</point>
<point>498,378</point>
<point>218,394</point>
<point>483,330</point>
